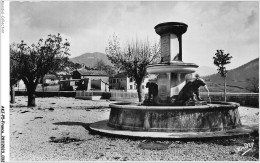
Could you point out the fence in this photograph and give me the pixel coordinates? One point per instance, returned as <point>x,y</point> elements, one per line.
<point>125,96</point>
<point>53,88</point>
<point>92,95</point>
<point>244,99</point>
<point>113,95</point>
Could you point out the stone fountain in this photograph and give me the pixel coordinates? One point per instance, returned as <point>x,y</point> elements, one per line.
<point>217,119</point>
<point>172,71</point>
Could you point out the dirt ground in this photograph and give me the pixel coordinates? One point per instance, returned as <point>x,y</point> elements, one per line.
<point>57,130</point>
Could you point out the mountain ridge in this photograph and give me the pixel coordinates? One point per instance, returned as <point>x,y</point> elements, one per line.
<point>90,59</point>
<point>237,78</point>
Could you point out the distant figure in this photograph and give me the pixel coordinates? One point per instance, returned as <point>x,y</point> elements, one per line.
<point>152,90</point>
<point>191,89</point>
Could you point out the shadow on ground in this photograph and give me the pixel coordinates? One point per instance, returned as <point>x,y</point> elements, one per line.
<point>85,125</point>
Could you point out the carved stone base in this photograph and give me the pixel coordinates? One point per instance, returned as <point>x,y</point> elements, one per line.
<point>195,103</point>
<point>190,103</point>
<point>172,102</point>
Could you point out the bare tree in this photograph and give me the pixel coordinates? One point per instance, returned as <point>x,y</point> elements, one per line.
<point>35,61</point>
<point>220,60</point>
<point>133,59</point>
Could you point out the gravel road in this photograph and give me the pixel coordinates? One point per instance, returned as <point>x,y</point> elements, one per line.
<point>57,130</point>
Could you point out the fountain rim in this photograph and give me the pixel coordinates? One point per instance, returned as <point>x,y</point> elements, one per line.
<point>129,105</point>
<point>174,67</point>
<point>171,24</point>
<point>176,64</point>
<point>171,27</point>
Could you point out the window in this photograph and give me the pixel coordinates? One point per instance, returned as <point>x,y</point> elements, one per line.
<point>131,87</point>
<point>114,80</point>
<point>117,81</point>
<point>142,86</point>
<point>131,79</point>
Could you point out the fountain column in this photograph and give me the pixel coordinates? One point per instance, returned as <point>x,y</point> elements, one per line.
<point>172,71</point>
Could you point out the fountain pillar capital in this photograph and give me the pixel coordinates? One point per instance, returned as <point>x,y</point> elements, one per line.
<point>171,40</point>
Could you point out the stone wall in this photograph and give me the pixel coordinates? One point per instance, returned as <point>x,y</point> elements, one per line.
<point>48,94</point>
<point>244,99</point>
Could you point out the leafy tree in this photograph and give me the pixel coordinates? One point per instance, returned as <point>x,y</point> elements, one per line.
<point>14,77</point>
<point>35,61</point>
<point>133,59</point>
<point>68,69</point>
<point>220,60</point>
<point>100,65</point>
<point>253,84</point>
<point>110,70</point>
<point>89,68</point>
<point>71,66</point>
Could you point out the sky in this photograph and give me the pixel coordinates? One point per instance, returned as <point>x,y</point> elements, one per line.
<point>88,25</point>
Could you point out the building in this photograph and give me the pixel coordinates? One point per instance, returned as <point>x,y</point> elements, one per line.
<point>20,86</point>
<point>69,85</point>
<point>50,79</point>
<point>98,80</point>
<point>120,81</point>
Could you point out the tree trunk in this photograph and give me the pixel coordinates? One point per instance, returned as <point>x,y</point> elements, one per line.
<point>139,91</point>
<point>31,98</point>
<point>31,95</point>
<point>225,89</point>
<point>12,94</point>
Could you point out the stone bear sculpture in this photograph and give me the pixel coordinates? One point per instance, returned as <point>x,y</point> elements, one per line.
<point>152,90</point>
<point>191,88</point>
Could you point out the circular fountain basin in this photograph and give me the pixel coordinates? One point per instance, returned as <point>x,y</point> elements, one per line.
<point>216,120</point>
<point>218,116</point>
<point>174,67</point>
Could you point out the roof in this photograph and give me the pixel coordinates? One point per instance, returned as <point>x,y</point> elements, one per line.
<point>50,76</point>
<point>120,75</point>
<point>70,80</point>
<point>85,72</point>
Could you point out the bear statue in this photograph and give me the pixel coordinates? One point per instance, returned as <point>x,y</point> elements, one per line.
<point>190,91</point>
<point>152,90</point>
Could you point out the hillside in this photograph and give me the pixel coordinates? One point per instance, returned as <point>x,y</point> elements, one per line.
<point>90,59</point>
<point>236,78</point>
<point>205,70</point>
